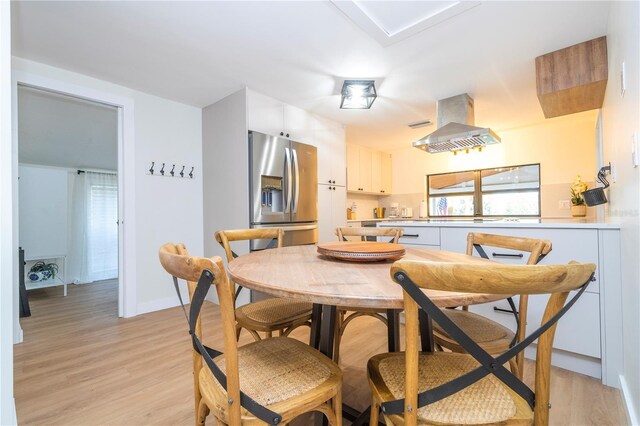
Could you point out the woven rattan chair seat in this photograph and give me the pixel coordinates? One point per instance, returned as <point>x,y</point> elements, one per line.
<point>273,370</point>
<point>479,328</point>
<point>486,401</point>
<point>275,311</point>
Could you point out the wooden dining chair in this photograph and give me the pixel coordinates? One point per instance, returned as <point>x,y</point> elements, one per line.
<point>274,314</point>
<point>474,387</point>
<point>490,335</point>
<point>346,314</point>
<point>269,381</point>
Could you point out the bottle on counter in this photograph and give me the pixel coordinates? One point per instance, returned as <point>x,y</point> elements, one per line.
<point>424,211</point>
<point>354,207</point>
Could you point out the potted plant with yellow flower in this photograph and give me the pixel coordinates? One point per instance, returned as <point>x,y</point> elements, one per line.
<point>578,206</point>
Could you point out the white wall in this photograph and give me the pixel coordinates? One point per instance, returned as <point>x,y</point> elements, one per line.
<point>44,211</point>
<point>621,118</point>
<point>8,297</point>
<point>165,209</point>
<point>226,181</point>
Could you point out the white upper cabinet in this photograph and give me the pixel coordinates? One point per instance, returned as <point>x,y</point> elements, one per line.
<point>332,166</point>
<point>298,125</point>
<point>368,171</point>
<point>265,114</point>
<point>273,117</point>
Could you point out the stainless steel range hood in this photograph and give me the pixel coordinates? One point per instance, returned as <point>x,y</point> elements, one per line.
<point>456,128</point>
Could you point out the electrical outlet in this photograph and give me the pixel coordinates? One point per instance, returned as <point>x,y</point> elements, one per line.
<point>564,205</point>
<point>623,79</point>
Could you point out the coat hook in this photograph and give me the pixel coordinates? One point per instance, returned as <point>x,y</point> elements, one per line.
<point>162,170</point>
<point>182,172</point>
<point>151,169</point>
<point>191,173</point>
<point>172,169</point>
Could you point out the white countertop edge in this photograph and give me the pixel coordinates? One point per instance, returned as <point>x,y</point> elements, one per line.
<point>523,223</point>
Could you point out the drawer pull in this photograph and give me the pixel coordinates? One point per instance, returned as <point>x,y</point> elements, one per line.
<point>411,235</point>
<point>508,311</point>
<point>519,255</point>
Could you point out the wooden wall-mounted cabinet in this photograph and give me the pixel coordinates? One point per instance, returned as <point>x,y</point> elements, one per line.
<point>573,79</point>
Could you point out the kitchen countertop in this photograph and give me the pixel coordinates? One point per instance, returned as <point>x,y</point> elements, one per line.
<point>587,223</point>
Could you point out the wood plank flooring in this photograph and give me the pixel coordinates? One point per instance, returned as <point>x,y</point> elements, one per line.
<point>81,365</point>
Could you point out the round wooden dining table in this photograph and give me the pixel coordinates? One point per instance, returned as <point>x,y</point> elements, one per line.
<point>301,272</point>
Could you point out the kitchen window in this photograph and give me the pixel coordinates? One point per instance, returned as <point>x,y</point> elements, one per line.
<point>501,191</point>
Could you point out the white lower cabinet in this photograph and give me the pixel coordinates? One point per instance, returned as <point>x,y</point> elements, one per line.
<point>421,236</point>
<point>332,211</point>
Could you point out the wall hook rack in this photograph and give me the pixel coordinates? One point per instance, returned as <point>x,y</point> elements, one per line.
<point>170,172</point>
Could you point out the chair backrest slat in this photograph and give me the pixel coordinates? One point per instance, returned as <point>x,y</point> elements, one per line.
<point>496,278</point>
<point>364,232</point>
<point>225,237</point>
<point>534,246</point>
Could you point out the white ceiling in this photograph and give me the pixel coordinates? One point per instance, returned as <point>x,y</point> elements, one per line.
<point>57,130</point>
<point>300,52</point>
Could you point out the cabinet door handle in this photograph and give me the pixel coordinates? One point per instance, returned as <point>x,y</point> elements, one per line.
<point>411,235</point>
<point>518,255</point>
<point>281,133</point>
<point>287,134</point>
<point>506,311</point>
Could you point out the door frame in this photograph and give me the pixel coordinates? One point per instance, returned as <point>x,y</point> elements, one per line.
<point>127,295</point>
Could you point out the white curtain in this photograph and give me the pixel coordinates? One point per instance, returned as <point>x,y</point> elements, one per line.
<point>94,239</point>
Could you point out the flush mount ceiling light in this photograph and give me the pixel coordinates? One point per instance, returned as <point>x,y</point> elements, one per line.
<point>358,94</point>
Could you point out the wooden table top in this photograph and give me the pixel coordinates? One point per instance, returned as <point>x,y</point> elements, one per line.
<point>300,272</point>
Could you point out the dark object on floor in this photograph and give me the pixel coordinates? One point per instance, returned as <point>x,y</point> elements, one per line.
<point>25,311</point>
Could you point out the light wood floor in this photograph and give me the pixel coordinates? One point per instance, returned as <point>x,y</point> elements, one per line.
<point>80,365</point>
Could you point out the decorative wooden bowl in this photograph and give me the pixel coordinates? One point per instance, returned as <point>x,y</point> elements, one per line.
<point>361,251</point>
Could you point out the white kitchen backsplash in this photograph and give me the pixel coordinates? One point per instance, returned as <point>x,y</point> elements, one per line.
<point>365,204</point>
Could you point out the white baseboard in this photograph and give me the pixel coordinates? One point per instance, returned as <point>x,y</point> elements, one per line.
<point>15,414</point>
<point>158,305</point>
<point>632,410</point>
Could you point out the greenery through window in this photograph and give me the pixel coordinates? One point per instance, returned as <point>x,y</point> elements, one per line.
<point>501,191</point>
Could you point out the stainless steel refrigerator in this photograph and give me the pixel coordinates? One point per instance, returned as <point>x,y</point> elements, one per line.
<point>283,188</point>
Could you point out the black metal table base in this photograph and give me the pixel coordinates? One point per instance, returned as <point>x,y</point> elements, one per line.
<point>322,338</point>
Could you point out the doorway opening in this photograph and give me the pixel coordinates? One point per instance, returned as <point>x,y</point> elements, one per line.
<point>68,191</point>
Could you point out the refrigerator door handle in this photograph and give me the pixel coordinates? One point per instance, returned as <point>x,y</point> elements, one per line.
<point>288,183</point>
<point>296,184</point>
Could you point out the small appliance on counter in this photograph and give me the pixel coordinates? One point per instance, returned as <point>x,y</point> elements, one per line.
<point>424,211</point>
<point>406,212</point>
<point>393,210</point>
<point>378,212</point>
